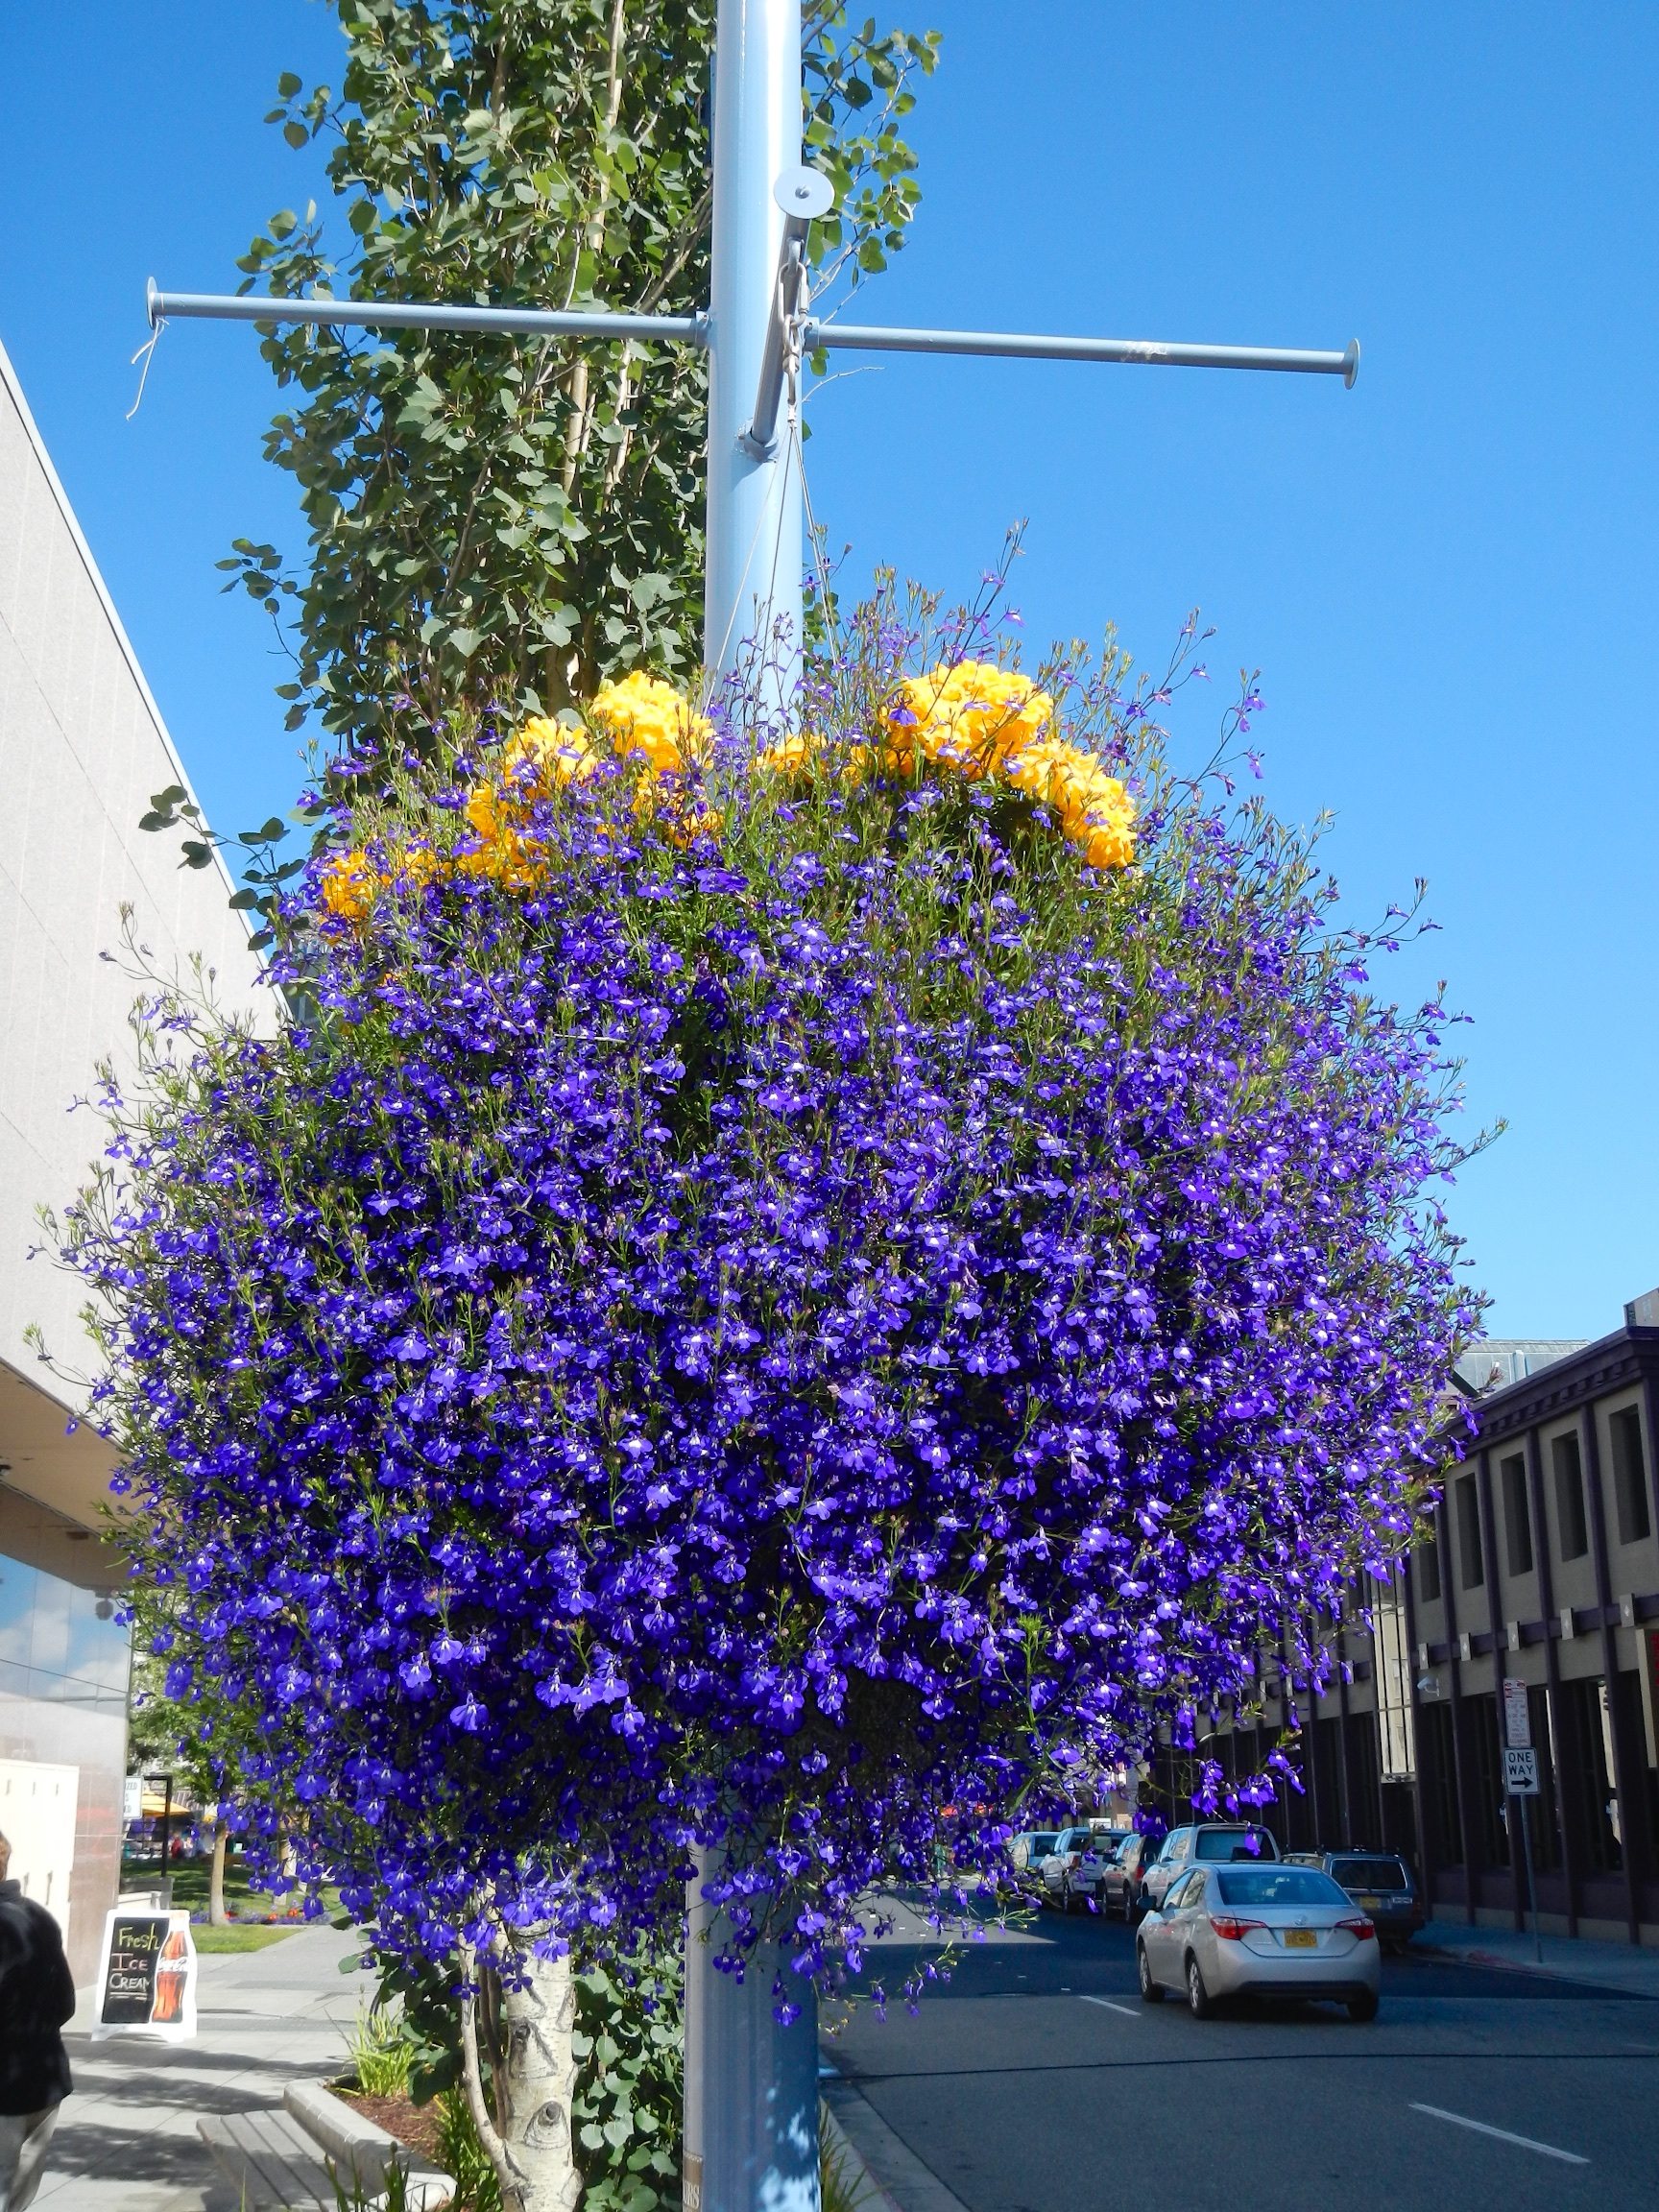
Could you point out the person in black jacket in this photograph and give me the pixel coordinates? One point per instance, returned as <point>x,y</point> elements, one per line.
<point>37,1996</point>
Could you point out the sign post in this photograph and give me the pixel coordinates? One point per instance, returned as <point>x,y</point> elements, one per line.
<point>1519,1783</point>
<point>751,2089</point>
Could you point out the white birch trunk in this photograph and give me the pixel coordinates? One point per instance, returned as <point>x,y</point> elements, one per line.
<point>530,2145</point>
<point>538,2019</point>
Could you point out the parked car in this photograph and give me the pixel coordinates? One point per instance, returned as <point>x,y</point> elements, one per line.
<point>1379,1883</point>
<point>1265,1931</point>
<point>1120,1885</point>
<point>1027,1851</point>
<point>1208,1842</point>
<point>1073,1870</point>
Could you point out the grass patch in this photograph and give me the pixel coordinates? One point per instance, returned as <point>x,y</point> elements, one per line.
<point>191,1880</point>
<point>250,1938</point>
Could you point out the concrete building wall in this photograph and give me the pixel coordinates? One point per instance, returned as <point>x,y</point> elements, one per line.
<point>83,746</point>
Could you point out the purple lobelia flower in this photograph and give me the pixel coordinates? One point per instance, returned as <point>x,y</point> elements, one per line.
<point>768,1317</point>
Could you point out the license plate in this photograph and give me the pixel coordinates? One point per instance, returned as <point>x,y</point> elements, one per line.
<point>1301,1939</point>
<point>1371,1903</point>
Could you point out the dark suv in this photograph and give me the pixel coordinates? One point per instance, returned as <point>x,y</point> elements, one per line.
<point>1210,1840</point>
<point>1379,1883</point>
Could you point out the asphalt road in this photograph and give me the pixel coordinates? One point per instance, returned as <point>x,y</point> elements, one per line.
<point>1034,2079</point>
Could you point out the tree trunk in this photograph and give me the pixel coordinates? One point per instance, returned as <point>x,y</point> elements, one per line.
<point>217,1917</point>
<point>530,2141</point>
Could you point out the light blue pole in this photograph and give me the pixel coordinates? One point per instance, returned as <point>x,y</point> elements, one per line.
<point>751,2082</point>
<point>753,574</point>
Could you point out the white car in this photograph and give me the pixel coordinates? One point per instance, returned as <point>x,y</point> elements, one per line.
<point>1270,1930</point>
<point>1075,1869</point>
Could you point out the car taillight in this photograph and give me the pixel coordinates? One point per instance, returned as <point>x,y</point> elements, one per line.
<point>1232,1930</point>
<point>1361,1929</point>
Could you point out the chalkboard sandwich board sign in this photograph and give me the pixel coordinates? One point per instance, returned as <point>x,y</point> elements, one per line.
<point>146,1976</point>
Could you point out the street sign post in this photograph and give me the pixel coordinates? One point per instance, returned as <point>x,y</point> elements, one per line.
<point>1521,1782</point>
<point>751,2085</point>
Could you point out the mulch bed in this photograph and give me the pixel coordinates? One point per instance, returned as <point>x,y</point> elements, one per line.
<point>416,2125</point>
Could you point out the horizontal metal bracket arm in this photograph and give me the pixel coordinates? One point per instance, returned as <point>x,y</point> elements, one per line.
<point>694,331</point>
<point>389,315</point>
<point>1146,352</point>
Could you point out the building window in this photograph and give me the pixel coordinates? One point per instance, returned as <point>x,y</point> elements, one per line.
<point>1428,1565</point>
<point>1543,1810</point>
<point>1443,1828</point>
<point>1629,1476</point>
<point>1469,1533</point>
<point>1590,1747</point>
<point>1516,1519</point>
<point>1571,1525</point>
<point>1491,1811</point>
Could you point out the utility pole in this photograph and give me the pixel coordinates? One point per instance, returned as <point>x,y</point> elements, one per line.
<point>751,2082</point>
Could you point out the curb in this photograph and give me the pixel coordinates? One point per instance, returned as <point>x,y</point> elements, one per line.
<point>362,2150</point>
<point>886,2174</point>
<point>1582,1976</point>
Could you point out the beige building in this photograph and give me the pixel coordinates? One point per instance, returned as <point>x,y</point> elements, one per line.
<point>1543,1571</point>
<point>81,748</point>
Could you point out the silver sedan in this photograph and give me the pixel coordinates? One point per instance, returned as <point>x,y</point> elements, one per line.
<point>1285,1932</point>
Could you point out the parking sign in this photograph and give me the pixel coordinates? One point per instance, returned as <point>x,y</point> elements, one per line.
<point>1521,1773</point>
<point>1517,1719</point>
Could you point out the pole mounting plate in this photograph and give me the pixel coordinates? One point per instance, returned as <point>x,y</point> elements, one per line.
<point>804,194</point>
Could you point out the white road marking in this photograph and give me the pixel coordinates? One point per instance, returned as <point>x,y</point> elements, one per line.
<point>1126,2011</point>
<point>1479,2126</point>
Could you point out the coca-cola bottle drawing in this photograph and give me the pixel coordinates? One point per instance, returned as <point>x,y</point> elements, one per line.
<point>172,1971</point>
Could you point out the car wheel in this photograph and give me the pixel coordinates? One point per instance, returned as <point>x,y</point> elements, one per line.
<point>1150,1992</point>
<point>1197,1996</point>
<point>1363,2008</point>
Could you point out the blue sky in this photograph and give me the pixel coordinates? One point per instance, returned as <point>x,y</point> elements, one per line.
<point>1446,576</point>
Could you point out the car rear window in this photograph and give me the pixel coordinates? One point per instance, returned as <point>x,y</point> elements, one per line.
<point>1224,1842</point>
<point>1277,1886</point>
<point>1369,1874</point>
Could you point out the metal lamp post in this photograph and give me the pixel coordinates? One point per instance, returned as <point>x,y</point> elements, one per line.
<point>751,2082</point>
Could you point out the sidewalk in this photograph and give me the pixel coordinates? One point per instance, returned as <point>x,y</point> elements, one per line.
<point>1618,1967</point>
<point>127,2139</point>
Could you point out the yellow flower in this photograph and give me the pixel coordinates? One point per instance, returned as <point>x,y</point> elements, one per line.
<point>789,754</point>
<point>552,751</point>
<point>348,886</point>
<point>969,717</point>
<point>1094,808</point>
<point>641,714</point>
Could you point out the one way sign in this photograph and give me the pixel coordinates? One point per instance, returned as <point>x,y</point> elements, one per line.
<point>1521,1773</point>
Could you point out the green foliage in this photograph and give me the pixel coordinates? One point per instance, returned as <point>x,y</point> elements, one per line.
<point>500,522</point>
<point>359,2197</point>
<point>629,2048</point>
<point>382,2056</point>
<point>504,521</point>
<point>630,2051</point>
<point>464,2159</point>
<point>428,2022</point>
<point>190,1737</point>
<point>841,2187</point>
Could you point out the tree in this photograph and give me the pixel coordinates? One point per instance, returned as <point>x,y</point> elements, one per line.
<point>502,522</point>
<point>790,1283</point>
